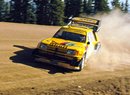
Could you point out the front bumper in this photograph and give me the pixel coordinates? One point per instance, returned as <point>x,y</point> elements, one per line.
<point>56,59</point>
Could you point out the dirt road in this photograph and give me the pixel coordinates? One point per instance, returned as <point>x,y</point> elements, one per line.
<point>106,73</point>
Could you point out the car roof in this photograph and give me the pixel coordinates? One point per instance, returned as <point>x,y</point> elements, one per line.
<point>77,30</point>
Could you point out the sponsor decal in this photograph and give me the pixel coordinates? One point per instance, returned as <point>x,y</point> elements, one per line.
<point>62,45</point>
<point>68,43</point>
<point>55,44</point>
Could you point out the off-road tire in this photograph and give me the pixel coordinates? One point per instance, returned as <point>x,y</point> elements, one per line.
<point>82,62</point>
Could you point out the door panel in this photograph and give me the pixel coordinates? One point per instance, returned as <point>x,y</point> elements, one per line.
<point>91,46</point>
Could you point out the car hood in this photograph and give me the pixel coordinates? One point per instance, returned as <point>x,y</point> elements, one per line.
<point>64,43</point>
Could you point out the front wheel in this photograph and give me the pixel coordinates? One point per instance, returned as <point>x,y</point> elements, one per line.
<point>81,64</point>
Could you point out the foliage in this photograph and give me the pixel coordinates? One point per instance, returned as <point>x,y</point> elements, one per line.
<point>72,7</point>
<point>116,4</point>
<point>101,6</point>
<point>95,6</point>
<point>20,11</point>
<point>53,12</point>
<point>1,10</point>
<point>49,12</point>
<point>31,9</point>
<point>42,11</point>
<point>56,12</point>
<point>87,6</point>
<point>126,6</point>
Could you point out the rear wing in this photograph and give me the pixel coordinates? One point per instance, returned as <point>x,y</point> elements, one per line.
<point>95,23</point>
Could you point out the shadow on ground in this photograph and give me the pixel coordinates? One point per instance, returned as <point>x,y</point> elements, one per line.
<point>24,56</point>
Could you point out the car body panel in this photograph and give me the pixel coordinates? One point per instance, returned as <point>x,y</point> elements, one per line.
<point>65,52</point>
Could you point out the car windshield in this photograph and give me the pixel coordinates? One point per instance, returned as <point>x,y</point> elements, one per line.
<point>70,36</point>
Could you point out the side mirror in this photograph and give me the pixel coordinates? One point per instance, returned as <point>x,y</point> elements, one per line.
<point>88,43</point>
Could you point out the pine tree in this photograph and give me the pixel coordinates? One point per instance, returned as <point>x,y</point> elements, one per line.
<point>31,9</point>
<point>7,11</point>
<point>73,7</point>
<point>89,8</point>
<point>122,6</point>
<point>4,10</point>
<point>42,11</point>
<point>56,14</point>
<point>84,6</point>
<point>101,6</point>
<point>116,4</point>
<point>19,10</point>
<point>1,10</point>
<point>126,6</point>
<point>24,8</point>
<point>16,10</point>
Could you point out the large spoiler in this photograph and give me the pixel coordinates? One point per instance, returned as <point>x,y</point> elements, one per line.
<point>90,21</point>
<point>87,20</point>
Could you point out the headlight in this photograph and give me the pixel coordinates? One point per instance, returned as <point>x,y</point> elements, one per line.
<point>43,46</point>
<point>72,52</point>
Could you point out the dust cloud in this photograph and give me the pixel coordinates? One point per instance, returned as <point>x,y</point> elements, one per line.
<point>115,40</point>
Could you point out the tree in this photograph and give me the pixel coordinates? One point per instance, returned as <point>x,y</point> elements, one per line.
<point>122,6</point>
<point>88,6</point>
<point>126,6</point>
<point>4,10</point>
<point>56,14</point>
<point>73,7</point>
<point>49,12</point>
<point>84,6</point>
<point>42,11</point>
<point>31,10</point>
<point>7,11</point>
<point>16,11</point>
<point>24,10</point>
<point>116,4</point>
<point>1,10</point>
<point>19,10</point>
<point>101,6</point>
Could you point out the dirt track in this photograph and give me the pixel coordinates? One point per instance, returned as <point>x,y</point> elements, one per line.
<point>107,73</point>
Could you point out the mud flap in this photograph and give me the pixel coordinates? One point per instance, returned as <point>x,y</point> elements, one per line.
<point>97,47</point>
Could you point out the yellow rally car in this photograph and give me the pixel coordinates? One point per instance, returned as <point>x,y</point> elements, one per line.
<point>72,45</point>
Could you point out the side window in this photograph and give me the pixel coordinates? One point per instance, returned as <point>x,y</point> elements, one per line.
<point>91,37</point>
<point>58,34</point>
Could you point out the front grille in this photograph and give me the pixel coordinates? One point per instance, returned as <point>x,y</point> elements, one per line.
<point>56,49</point>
